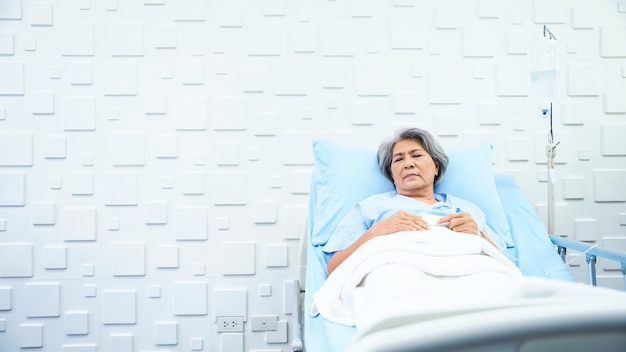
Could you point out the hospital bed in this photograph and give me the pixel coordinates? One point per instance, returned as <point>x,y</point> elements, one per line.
<point>345,175</point>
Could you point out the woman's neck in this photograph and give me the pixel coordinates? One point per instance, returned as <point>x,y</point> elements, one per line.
<point>428,198</point>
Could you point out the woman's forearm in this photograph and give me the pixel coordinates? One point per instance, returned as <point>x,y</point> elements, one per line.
<point>339,256</point>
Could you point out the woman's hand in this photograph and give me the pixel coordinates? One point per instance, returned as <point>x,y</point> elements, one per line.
<point>460,222</point>
<point>400,221</point>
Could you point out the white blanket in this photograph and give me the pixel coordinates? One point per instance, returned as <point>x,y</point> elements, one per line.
<point>437,284</point>
<point>410,265</point>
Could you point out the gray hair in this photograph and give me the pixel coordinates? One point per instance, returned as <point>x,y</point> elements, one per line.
<point>432,147</point>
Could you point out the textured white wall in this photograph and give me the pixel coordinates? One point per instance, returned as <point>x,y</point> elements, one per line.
<point>155,155</point>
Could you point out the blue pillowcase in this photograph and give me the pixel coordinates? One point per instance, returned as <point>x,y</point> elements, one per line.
<point>347,175</point>
<point>470,176</point>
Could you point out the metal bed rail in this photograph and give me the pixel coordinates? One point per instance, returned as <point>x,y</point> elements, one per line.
<point>592,252</point>
<point>292,305</point>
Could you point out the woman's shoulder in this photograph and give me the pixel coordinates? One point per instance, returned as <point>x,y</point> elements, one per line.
<point>453,198</point>
<point>458,201</point>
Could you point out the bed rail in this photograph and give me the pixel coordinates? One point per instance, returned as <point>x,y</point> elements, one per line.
<point>292,306</point>
<point>592,252</point>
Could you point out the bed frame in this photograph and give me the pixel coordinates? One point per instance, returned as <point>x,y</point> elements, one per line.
<point>591,325</point>
<point>609,328</point>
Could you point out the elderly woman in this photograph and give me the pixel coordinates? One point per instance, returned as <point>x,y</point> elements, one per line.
<point>414,161</point>
<point>427,260</point>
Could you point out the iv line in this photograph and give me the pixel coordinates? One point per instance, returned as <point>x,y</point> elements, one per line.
<point>573,259</point>
<point>547,271</point>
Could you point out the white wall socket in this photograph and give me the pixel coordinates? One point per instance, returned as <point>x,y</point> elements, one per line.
<point>264,322</point>
<point>229,324</point>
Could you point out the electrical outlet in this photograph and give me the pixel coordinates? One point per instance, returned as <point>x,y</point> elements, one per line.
<point>264,322</point>
<point>229,324</point>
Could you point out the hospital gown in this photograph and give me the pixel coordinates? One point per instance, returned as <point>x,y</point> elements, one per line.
<point>380,206</point>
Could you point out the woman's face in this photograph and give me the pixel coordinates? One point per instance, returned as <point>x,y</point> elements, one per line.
<point>413,170</point>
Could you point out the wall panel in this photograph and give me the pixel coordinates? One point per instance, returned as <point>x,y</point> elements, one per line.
<point>155,155</point>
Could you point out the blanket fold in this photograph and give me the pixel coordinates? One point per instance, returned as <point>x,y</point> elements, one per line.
<point>438,252</point>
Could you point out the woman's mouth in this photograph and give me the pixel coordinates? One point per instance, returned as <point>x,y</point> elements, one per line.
<point>409,176</point>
